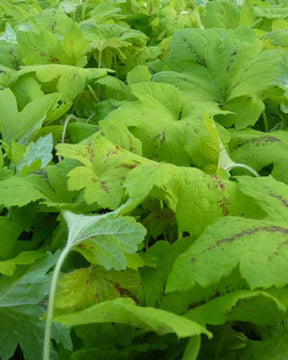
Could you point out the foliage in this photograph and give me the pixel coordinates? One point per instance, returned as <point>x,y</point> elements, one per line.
<point>143,179</point>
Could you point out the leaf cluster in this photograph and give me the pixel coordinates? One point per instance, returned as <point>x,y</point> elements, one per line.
<point>143,162</point>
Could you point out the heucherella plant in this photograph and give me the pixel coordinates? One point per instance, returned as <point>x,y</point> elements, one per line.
<point>152,135</point>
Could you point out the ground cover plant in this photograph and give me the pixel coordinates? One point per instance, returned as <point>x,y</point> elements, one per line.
<point>143,179</point>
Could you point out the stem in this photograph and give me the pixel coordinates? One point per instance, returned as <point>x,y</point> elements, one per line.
<point>52,295</point>
<point>69,117</point>
<point>266,126</point>
<point>243,166</point>
<point>89,118</point>
<point>92,92</point>
<point>282,118</point>
<point>100,59</point>
<point>83,11</point>
<point>221,341</point>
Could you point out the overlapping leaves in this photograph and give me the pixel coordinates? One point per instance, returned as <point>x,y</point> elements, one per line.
<point>218,70</point>
<point>149,140</point>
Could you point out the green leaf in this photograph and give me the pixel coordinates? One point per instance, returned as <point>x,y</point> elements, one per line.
<point>29,285</point>
<point>16,191</point>
<point>192,348</point>
<point>113,88</point>
<point>181,302</point>
<point>272,347</point>
<point>271,12</point>
<point>19,312</point>
<point>271,195</point>
<point>104,239</point>
<point>154,278</point>
<point>111,39</point>
<point>75,45</point>
<point>37,155</point>
<point>10,232</point>
<point>7,267</point>
<point>162,139</point>
<point>259,150</point>
<point>177,137</point>
<point>119,134</point>
<point>93,285</point>
<point>203,198</point>
<point>244,111</point>
<point>19,126</point>
<point>44,47</point>
<point>104,170</point>
<point>257,247</point>
<point>278,37</point>
<point>216,150</point>
<point>116,342</point>
<point>22,327</point>
<point>221,14</point>
<point>10,54</point>
<point>259,307</point>
<point>215,67</point>
<point>124,311</point>
<point>78,131</point>
<point>26,89</point>
<point>69,80</point>
<point>88,287</point>
<point>139,73</point>
<point>141,180</point>
<point>7,77</point>
<point>51,182</point>
<point>196,198</point>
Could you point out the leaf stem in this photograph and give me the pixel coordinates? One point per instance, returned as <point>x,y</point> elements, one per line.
<point>92,92</point>
<point>221,341</point>
<point>100,59</point>
<point>83,11</point>
<point>68,118</point>
<point>266,126</point>
<point>250,169</point>
<point>51,301</point>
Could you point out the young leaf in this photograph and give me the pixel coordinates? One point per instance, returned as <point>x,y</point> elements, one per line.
<point>104,239</point>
